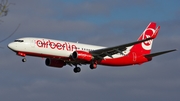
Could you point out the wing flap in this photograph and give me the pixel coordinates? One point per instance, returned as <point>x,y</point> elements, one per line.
<point>101,53</point>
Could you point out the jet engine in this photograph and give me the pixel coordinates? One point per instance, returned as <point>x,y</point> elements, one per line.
<point>55,63</point>
<point>82,55</point>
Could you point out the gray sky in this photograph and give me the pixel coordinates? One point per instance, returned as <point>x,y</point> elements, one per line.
<point>101,22</point>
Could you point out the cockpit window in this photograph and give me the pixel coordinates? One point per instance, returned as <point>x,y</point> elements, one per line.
<point>18,40</point>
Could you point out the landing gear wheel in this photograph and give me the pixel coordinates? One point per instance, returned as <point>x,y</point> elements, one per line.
<point>24,60</point>
<point>77,69</point>
<point>93,66</point>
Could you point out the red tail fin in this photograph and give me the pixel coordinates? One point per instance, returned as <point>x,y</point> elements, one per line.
<point>145,47</point>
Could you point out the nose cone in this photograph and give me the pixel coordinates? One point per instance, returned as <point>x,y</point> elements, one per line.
<point>11,46</point>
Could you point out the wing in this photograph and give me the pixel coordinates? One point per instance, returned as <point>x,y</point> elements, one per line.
<point>101,53</point>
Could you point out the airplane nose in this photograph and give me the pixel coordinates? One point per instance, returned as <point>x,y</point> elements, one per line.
<point>11,46</point>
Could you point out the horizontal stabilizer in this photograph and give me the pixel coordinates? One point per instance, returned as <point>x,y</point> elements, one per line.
<point>158,53</point>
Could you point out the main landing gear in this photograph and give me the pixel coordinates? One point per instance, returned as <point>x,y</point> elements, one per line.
<point>78,69</point>
<point>93,66</point>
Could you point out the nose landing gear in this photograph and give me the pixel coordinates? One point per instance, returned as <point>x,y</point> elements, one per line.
<point>23,55</point>
<point>24,60</point>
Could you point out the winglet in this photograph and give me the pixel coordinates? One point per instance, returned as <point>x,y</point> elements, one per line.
<point>155,33</point>
<point>149,31</point>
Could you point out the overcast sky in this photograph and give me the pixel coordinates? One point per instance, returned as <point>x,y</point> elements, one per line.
<point>101,22</point>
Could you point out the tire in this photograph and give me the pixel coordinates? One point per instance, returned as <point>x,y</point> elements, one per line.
<point>77,69</point>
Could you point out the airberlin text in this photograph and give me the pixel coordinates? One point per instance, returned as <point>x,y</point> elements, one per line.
<point>56,45</point>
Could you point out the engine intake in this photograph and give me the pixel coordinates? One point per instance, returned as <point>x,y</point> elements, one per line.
<point>55,63</point>
<point>82,55</point>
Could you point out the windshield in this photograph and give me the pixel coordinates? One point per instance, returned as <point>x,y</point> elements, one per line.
<point>18,40</point>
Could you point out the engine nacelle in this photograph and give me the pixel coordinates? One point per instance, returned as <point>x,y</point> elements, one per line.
<point>82,55</point>
<point>55,63</point>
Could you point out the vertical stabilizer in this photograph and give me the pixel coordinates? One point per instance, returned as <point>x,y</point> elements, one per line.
<point>145,47</point>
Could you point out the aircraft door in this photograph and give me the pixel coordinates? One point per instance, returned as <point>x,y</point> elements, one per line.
<point>32,43</point>
<point>134,57</point>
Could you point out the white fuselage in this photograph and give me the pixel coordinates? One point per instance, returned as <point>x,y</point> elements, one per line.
<point>43,46</point>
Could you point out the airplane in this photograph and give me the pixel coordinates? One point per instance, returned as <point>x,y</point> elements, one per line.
<point>60,53</point>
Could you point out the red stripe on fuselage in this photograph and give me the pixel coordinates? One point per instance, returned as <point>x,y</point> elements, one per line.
<point>121,61</point>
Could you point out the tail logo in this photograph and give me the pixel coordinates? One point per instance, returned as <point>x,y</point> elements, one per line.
<point>147,34</point>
